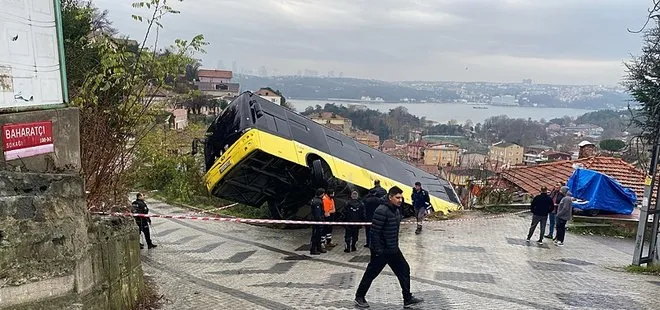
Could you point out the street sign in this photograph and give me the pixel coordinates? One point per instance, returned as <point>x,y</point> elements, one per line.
<point>27,139</point>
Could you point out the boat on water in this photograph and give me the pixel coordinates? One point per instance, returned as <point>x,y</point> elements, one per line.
<point>480,108</point>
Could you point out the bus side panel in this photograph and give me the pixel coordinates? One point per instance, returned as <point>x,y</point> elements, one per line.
<point>280,147</point>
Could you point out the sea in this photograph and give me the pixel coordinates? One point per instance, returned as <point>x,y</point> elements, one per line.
<point>459,112</point>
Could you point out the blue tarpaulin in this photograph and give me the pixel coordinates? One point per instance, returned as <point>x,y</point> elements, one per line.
<point>600,192</point>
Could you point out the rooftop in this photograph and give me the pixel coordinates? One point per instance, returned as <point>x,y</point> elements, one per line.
<point>505,144</point>
<point>210,73</point>
<point>208,86</point>
<point>389,144</point>
<point>530,179</point>
<point>326,115</point>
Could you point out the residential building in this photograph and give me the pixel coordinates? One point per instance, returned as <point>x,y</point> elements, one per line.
<point>534,159</point>
<point>441,155</point>
<point>463,176</point>
<point>557,156</point>
<point>178,119</point>
<point>537,149</point>
<point>214,76</point>
<point>270,95</point>
<point>225,91</point>
<point>416,150</point>
<point>415,135</point>
<point>326,118</point>
<point>367,138</point>
<point>585,130</point>
<point>400,153</point>
<point>506,154</point>
<point>388,145</point>
<point>432,169</point>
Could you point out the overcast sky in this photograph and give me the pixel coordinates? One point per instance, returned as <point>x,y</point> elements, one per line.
<point>549,41</point>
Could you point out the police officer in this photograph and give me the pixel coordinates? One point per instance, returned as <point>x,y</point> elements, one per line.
<point>140,207</point>
<point>317,215</point>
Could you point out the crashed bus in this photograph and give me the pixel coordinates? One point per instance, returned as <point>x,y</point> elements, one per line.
<point>257,152</point>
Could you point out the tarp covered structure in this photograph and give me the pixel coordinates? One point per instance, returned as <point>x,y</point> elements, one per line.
<point>600,192</point>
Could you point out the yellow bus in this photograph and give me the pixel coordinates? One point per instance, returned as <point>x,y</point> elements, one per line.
<point>259,152</point>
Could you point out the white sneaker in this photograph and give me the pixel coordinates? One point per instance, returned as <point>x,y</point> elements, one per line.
<point>560,244</point>
<point>527,240</point>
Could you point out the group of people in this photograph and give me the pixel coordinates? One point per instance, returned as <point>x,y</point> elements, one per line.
<point>383,209</point>
<point>356,210</point>
<point>558,206</point>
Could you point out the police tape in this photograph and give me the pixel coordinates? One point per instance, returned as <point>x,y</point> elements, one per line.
<point>290,222</point>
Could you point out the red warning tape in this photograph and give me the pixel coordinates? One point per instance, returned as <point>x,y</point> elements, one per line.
<point>293,222</point>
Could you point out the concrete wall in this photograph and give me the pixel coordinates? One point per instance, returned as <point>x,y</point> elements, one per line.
<point>54,255</point>
<point>66,135</point>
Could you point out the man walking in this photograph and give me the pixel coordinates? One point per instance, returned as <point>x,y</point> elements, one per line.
<point>317,215</point>
<point>384,246</point>
<point>564,215</point>
<point>541,205</point>
<point>140,207</point>
<point>420,201</point>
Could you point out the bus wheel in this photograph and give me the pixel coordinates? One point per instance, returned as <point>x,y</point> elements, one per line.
<point>318,174</point>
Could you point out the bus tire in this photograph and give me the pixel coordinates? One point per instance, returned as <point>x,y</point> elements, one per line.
<point>318,176</point>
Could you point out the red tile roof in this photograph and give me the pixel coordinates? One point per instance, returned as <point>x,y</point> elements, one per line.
<point>389,144</point>
<point>220,74</point>
<point>432,169</point>
<point>530,179</point>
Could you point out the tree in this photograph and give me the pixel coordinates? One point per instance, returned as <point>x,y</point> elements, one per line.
<point>113,81</point>
<point>643,82</point>
<point>612,145</point>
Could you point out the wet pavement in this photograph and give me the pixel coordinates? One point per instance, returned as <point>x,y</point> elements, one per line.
<point>484,264</point>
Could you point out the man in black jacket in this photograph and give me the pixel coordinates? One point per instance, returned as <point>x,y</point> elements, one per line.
<point>541,205</point>
<point>384,246</point>
<point>353,212</point>
<point>420,201</point>
<point>317,215</point>
<point>140,207</point>
<point>371,201</point>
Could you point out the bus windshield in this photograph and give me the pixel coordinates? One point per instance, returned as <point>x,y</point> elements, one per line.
<point>223,132</point>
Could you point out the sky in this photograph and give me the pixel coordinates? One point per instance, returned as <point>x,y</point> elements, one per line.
<point>556,42</point>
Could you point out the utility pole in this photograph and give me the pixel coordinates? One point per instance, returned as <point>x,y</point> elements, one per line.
<point>645,212</point>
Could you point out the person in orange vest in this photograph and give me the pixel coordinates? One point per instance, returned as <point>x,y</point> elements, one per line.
<point>329,213</point>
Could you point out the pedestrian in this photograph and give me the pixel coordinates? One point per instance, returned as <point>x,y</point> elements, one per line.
<point>564,215</point>
<point>371,202</point>
<point>384,246</point>
<point>317,215</point>
<point>140,207</point>
<point>353,212</point>
<point>420,201</point>
<point>329,213</point>
<point>541,205</point>
<point>556,196</point>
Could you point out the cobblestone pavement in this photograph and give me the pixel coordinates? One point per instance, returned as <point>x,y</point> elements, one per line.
<point>479,264</point>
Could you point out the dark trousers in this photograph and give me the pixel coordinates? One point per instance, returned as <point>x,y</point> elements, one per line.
<point>536,219</point>
<point>561,230</point>
<point>144,228</point>
<point>367,229</point>
<point>397,263</point>
<point>317,231</point>
<point>328,228</point>
<point>351,235</point>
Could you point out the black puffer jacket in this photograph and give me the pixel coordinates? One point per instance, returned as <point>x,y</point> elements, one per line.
<point>317,208</point>
<point>385,229</point>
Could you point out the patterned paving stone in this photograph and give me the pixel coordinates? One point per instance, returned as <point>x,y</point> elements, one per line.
<point>575,261</point>
<point>460,248</point>
<point>360,259</point>
<point>278,268</point>
<point>523,242</point>
<point>451,269</point>
<point>207,248</point>
<point>465,277</point>
<point>165,232</point>
<point>598,301</point>
<point>543,266</point>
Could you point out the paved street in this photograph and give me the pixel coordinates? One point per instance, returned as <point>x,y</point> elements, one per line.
<point>478,264</point>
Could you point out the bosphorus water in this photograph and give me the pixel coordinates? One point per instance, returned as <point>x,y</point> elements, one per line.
<point>444,112</point>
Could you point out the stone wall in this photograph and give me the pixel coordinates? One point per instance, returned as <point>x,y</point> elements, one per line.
<point>55,255</point>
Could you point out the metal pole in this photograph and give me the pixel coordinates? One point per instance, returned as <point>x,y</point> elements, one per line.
<point>649,183</point>
<point>653,244</point>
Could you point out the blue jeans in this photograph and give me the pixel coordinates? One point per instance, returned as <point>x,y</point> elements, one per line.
<point>552,224</point>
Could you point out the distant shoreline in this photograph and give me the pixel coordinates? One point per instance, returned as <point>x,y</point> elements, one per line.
<point>372,102</point>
